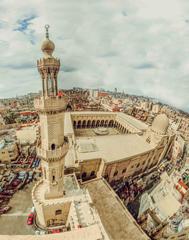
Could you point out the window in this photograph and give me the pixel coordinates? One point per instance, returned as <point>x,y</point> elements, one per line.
<point>115,173</point>
<point>58,212</point>
<point>124,170</point>
<point>53,178</point>
<point>138,165</point>
<point>92,173</point>
<point>53,146</point>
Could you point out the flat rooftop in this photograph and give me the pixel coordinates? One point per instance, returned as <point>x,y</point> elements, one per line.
<point>104,147</point>
<point>116,219</point>
<point>133,121</point>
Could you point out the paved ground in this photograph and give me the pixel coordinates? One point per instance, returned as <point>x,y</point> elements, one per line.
<point>14,222</point>
<point>89,132</point>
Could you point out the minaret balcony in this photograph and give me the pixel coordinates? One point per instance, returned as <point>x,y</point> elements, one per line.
<point>50,104</point>
<point>55,154</point>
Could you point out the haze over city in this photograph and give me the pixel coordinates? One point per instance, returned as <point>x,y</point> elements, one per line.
<point>140,47</point>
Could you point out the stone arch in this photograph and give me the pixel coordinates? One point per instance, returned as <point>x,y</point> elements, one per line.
<point>79,124</point>
<point>97,123</point>
<point>102,123</point>
<point>93,124</point>
<point>111,123</point>
<point>106,123</point>
<point>88,123</point>
<point>84,124</point>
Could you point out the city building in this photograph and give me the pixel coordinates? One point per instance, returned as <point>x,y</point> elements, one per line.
<point>8,150</point>
<point>114,145</point>
<point>28,134</point>
<point>160,206</point>
<point>177,149</point>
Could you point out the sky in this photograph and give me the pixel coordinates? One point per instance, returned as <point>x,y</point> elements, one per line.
<point>139,46</point>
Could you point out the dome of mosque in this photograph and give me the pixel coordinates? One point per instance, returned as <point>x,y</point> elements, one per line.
<point>160,123</point>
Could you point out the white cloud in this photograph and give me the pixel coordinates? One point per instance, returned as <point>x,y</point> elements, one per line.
<point>140,46</point>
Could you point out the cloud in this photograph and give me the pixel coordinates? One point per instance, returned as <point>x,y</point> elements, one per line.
<point>138,46</point>
<point>145,66</point>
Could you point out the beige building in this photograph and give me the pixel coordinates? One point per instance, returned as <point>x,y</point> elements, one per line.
<point>161,206</point>
<point>114,145</point>
<point>177,148</point>
<point>156,108</point>
<point>8,151</point>
<point>27,135</point>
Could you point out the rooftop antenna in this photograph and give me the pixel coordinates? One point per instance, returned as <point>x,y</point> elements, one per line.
<point>47,30</point>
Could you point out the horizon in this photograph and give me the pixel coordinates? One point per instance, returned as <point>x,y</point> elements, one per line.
<point>106,90</point>
<point>136,46</point>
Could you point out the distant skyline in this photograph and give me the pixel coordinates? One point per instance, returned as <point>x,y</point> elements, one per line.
<point>139,46</point>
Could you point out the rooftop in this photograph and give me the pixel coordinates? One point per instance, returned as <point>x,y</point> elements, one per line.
<point>116,219</point>
<point>104,147</point>
<point>164,198</point>
<point>133,121</point>
<point>82,212</point>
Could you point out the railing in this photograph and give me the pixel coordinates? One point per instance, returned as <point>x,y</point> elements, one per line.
<point>52,154</point>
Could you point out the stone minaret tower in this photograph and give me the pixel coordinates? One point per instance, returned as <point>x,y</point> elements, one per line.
<point>50,106</point>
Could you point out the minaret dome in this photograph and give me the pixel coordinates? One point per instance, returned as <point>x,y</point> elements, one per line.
<point>47,46</point>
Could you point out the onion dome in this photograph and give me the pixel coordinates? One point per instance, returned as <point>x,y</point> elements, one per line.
<point>47,46</point>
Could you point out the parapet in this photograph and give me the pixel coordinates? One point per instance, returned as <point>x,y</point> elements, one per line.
<point>50,104</point>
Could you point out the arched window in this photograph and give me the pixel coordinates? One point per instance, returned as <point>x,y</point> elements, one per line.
<point>79,124</point>
<point>115,173</point>
<point>74,124</point>
<point>93,123</point>
<point>58,212</point>
<point>53,175</point>
<point>53,146</point>
<point>84,124</point>
<point>88,123</point>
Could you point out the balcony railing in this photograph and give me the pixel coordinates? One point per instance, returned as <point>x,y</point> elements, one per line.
<point>51,103</point>
<point>52,154</point>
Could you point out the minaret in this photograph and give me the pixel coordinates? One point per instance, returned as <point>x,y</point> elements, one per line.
<point>51,107</point>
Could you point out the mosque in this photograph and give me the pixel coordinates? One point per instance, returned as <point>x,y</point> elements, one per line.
<point>86,146</point>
